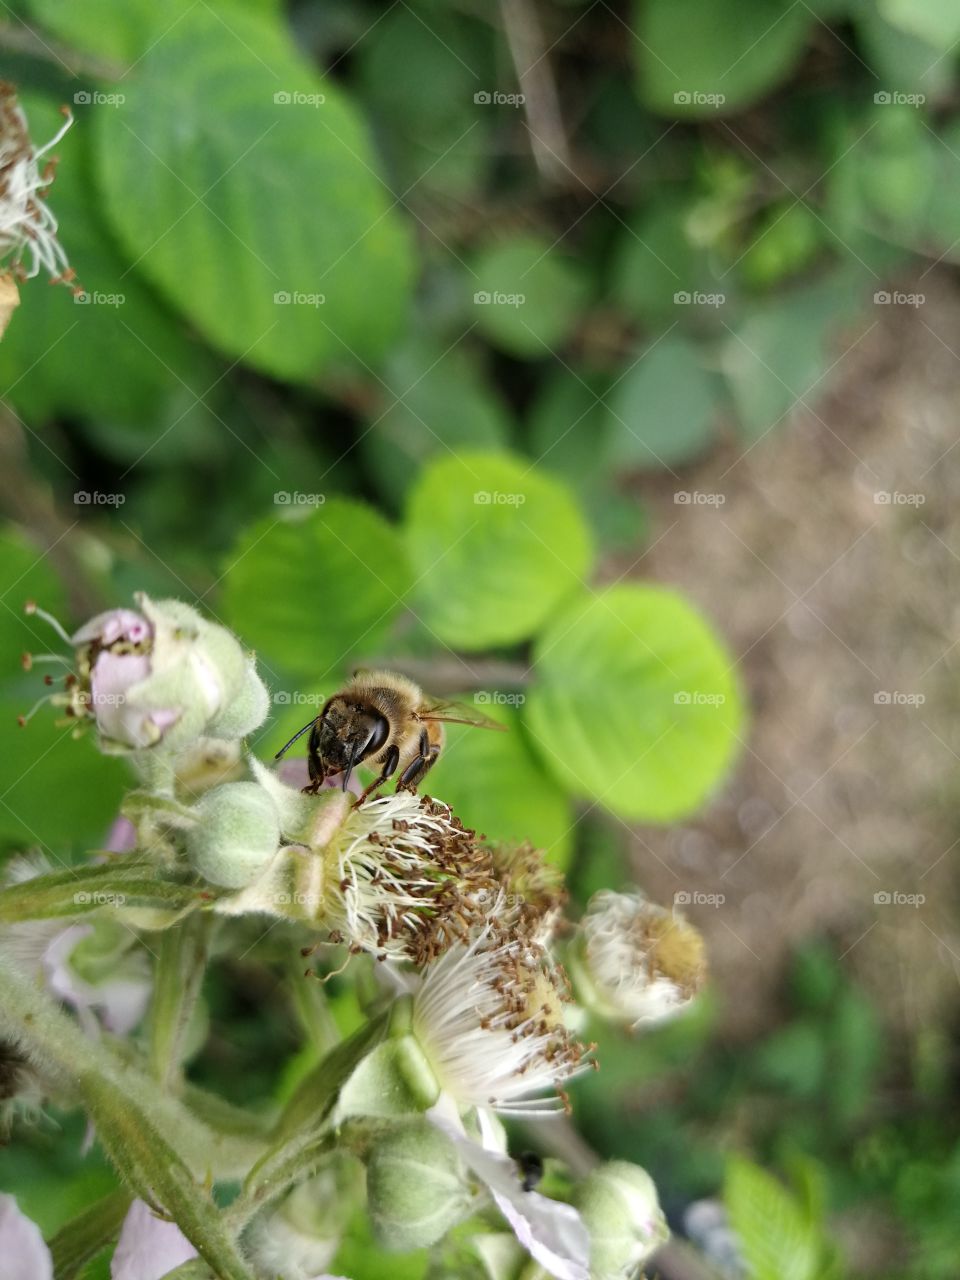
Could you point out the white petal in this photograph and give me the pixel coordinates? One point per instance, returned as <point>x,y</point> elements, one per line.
<point>148,1248</point>
<point>552,1232</point>
<point>23,1255</point>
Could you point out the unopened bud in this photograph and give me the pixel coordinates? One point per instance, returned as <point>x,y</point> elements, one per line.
<point>236,834</point>
<point>415,1188</point>
<point>618,1203</point>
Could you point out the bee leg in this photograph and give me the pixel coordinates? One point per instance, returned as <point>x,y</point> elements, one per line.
<point>418,768</point>
<point>388,770</point>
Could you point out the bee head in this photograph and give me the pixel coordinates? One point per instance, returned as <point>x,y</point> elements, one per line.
<point>346,734</point>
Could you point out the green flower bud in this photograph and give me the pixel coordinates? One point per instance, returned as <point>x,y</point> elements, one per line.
<point>415,1188</point>
<point>236,834</point>
<point>619,1205</point>
<point>246,712</point>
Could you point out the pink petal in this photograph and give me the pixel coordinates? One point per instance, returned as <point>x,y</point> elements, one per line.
<point>112,626</point>
<point>122,837</point>
<point>148,1248</point>
<point>23,1255</point>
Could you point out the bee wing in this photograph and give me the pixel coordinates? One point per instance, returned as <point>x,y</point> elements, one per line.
<point>458,713</point>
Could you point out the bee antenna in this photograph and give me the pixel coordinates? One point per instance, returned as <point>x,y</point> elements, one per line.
<point>299,734</point>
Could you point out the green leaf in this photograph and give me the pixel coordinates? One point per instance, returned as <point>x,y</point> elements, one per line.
<point>778,1241</point>
<point>495,546</point>
<point>87,1235</point>
<point>737,49</point>
<point>935,21</point>
<point>497,785</point>
<point>569,429</point>
<point>438,401</point>
<point>904,62</point>
<point>663,408</point>
<point>60,353</point>
<point>656,260</point>
<point>527,295</point>
<point>313,593</point>
<point>246,205</point>
<point>636,704</point>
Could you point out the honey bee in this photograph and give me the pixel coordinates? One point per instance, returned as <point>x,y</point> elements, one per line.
<point>381,718</point>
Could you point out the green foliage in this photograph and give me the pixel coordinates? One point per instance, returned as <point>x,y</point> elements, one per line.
<point>495,546</point>
<point>663,408</point>
<point>778,1240</point>
<point>636,704</point>
<point>528,294</point>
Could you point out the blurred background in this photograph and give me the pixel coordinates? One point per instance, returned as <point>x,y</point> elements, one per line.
<point>693,265</point>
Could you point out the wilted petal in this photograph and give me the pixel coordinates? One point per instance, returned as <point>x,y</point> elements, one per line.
<point>23,1255</point>
<point>148,1248</point>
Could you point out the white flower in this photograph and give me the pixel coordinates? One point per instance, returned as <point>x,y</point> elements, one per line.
<point>28,227</point>
<point>552,1232</point>
<point>489,1017</point>
<point>639,963</point>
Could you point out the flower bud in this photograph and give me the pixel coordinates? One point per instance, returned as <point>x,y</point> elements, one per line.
<point>618,1203</point>
<point>636,961</point>
<point>236,834</point>
<point>415,1189</point>
<point>299,1239</point>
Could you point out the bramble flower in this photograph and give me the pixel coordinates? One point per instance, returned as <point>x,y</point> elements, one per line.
<point>158,674</point>
<point>489,1017</point>
<point>28,227</point>
<point>399,876</point>
<point>637,962</point>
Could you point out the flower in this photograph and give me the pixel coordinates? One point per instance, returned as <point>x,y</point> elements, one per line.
<point>158,674</point>
<point>489,1017</point>
<point>148,1248</point>
<point>27,224</point>
<point>638,962</point>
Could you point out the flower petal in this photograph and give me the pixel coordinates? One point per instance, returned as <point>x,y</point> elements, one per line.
<point>148,1248</point>
<point>23,1255</point>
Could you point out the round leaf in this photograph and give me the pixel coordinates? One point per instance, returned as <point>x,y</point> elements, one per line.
<point>526,296</point>
<point>495,546</point>
<point>635,704</point>
<point>314,593</point>
<point>662,410</point>
<point>244,188</point>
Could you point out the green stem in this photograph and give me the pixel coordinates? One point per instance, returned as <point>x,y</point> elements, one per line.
<point>134,1134</point>
<point>111,886</point>
<point>177,979</point>
<point>87,1235</point>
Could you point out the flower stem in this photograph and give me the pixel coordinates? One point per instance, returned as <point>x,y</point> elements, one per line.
<point>178,977</point>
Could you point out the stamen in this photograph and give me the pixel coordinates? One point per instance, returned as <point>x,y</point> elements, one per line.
<point>31,607</point>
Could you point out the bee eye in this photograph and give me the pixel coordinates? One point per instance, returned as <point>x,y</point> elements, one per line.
<point>378,736</point>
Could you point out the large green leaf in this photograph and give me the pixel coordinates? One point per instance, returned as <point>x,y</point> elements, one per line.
<point>314,592</point>
<point>935,21</point>
<point>719,56</point>
<point>244,187</point>
<point>527,295</point>
<point>497,785</point>
<point>777,1239</point>
<point>495,546</point>
<point>662,410</point>
<point>114,352</point>
<point>635,702</point>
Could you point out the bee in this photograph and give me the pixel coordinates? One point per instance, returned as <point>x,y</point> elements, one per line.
<point>530,1167</point>
<point>381,718</point>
